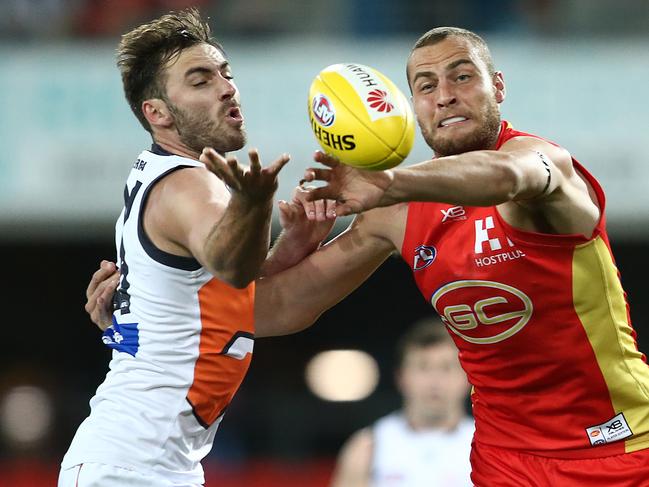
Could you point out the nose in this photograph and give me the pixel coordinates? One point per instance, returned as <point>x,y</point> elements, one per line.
<point>445,95</point>
<point>228,89</point>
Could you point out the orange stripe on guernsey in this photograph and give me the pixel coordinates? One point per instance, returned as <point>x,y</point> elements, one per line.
<point>225,350</point>
<point>600,304</point>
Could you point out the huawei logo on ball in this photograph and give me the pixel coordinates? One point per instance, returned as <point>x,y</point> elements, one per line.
<point>378,99</point>
<point>323,110</point>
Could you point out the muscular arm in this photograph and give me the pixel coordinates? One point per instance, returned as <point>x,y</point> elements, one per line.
<point>292,300</point>
<point>237,244</point>
<point>353,467</point>
<point>513,175</point>
<point>227,230</point>
<point>480,178</point>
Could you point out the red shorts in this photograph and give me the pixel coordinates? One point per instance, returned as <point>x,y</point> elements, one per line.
<point>499,467</point>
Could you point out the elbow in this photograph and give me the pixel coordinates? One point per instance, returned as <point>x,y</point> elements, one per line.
<point>276,314</point>
<point>236,274</point>
<point>238,280</point>
<point>291,324</point>
<point>239,283</point>
<point>285,318</point>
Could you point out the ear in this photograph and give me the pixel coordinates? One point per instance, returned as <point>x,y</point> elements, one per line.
<point>157,113</point>
<point>499,86</point>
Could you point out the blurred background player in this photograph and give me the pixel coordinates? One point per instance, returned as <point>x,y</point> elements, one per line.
<point>427,442</point>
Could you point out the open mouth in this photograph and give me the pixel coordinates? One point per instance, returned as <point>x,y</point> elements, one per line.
<point>234,114</point>
<point>451,121</point>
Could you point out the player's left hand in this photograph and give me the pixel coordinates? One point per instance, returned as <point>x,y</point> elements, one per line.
<point>307,221</point>
<point>99,294</point>
<point>354,190</point>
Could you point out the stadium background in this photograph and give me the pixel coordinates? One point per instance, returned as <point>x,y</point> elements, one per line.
<point>577,73</point>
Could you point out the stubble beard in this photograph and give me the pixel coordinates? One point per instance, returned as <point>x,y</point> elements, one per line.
<point>199,131</point>
<point>484,137</point>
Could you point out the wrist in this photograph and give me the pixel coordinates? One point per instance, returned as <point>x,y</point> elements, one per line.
<point>300,239</point>
<point>390,193</point>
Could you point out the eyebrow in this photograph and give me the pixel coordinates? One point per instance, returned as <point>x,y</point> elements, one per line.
<point>450,67</point>
<point>458,62</point>
<point>204,70</point>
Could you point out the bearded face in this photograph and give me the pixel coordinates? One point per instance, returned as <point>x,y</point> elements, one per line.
<point>203,101</point>
<point>455,97</point>
<point>198,130</point>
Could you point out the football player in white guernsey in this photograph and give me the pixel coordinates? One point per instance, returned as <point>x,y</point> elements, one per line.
<point>191,240</point>
<point>427,442</point>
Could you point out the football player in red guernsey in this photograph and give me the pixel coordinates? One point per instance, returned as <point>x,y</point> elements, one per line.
<point>505,233</point>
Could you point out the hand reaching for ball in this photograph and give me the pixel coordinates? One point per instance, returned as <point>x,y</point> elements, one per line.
<point>355,190</point>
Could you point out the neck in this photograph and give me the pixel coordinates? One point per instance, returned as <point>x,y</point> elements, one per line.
<point>495,142</point>
<point>176,147</point>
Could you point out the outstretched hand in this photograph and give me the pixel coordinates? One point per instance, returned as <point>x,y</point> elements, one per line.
<point>354,190</point>
<point>255,184</point>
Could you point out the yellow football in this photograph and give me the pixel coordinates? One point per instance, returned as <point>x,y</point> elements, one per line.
<point>358,115</point>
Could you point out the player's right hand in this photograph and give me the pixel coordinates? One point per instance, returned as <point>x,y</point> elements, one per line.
<point>99,294</point>
<point>354,190</point>
<point>255,184</point>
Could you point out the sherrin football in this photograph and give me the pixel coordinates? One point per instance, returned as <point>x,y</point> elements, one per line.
<point>358,115</point>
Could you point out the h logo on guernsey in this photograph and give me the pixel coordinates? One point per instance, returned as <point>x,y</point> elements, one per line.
<point>482,228</point>
<point>482,312</point>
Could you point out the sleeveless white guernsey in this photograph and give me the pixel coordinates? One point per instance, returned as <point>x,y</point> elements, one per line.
<point>182,344</point>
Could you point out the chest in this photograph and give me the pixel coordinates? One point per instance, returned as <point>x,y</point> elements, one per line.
<point>475,270</point>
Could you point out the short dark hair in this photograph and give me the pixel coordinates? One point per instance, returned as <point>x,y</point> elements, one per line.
<point>144,52</point>
<point>421,334</point>
<point>438,34</point>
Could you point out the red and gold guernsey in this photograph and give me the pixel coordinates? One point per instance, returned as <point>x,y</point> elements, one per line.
<point>542,326</point>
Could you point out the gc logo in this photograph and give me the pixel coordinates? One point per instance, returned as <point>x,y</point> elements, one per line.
<point>465,305</point>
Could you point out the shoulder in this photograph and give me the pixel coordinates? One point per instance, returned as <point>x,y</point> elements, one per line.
<point>188,186</point>
<point>355,461</point>
<point>358,448</point>
<point>194,178</point>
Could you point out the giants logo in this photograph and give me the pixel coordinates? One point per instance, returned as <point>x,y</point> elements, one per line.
<point>482,312</point>
<point>323,110</point>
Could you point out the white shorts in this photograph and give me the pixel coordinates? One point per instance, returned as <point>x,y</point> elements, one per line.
<point>100,475</point>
